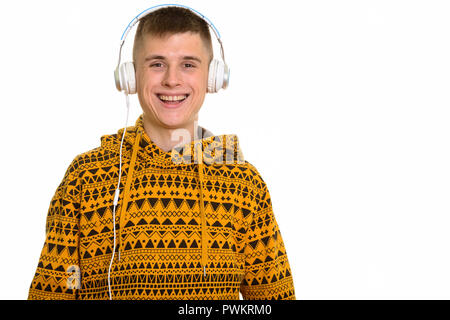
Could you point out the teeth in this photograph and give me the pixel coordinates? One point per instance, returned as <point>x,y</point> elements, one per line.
<point>172,98</point>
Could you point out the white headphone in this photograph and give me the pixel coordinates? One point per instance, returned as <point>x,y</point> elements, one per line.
<point>124,74</point>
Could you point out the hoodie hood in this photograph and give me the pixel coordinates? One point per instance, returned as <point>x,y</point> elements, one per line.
<point>139,151</point>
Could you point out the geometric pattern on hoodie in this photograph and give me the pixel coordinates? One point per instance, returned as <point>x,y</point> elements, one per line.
<point>202,230</point>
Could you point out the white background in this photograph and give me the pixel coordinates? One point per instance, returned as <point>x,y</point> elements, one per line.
<point>343,106</point>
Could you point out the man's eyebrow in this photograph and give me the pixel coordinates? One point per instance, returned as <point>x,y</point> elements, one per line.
<point>192,58</point>
<point>159,57</point>
<point>154,56</point>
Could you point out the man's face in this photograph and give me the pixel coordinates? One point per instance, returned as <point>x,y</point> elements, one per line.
<point>172,76</point>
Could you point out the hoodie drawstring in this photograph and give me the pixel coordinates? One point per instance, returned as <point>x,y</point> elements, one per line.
<point>202,211</point>
<point>126,195</point>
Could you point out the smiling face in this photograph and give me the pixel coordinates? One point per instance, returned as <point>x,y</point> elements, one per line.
<point>171,79</point>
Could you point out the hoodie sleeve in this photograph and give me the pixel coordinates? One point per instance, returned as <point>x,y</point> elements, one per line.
<point>57,275</point>
<point>267,272</point>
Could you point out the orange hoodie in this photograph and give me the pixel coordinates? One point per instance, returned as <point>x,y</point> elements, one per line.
<point>192,223</point>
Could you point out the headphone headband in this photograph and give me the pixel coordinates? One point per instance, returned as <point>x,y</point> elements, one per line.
<point>154,8</point>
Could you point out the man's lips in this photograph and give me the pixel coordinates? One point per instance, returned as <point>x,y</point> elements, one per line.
<point>172,100</point>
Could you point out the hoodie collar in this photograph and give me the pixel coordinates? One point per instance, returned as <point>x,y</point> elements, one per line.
<point>217,149</point>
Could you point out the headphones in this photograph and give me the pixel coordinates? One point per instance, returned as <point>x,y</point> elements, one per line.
<point>124,74</point>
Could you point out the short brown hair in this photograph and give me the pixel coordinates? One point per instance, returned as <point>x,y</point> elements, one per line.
<point>172,20</point>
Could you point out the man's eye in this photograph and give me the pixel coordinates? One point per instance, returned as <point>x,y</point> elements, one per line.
<point>189,65</point>
<point>156,65</point>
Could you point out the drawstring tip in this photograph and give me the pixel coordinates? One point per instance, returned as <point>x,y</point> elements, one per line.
<point>204,271</point>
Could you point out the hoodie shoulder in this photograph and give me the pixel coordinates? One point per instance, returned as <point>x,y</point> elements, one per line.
<point>103,152</point>
<point>110,145</point>
<point>256,177</point>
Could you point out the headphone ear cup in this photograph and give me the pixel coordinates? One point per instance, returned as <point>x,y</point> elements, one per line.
<point>212,76</point>
<point>218,76</point>
<point>125,78</point>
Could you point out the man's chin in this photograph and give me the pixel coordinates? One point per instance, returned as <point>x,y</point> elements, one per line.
<point>158,116</point>
<point>171,122</point>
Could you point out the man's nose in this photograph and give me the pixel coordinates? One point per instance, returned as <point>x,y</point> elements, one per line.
<point>171,77</point>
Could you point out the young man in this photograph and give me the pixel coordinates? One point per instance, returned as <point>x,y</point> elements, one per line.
<point>194,219</point>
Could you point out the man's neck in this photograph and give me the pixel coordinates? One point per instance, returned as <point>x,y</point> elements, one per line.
<point>166,138</point>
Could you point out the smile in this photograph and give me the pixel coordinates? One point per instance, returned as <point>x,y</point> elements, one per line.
<point>172,101</point>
